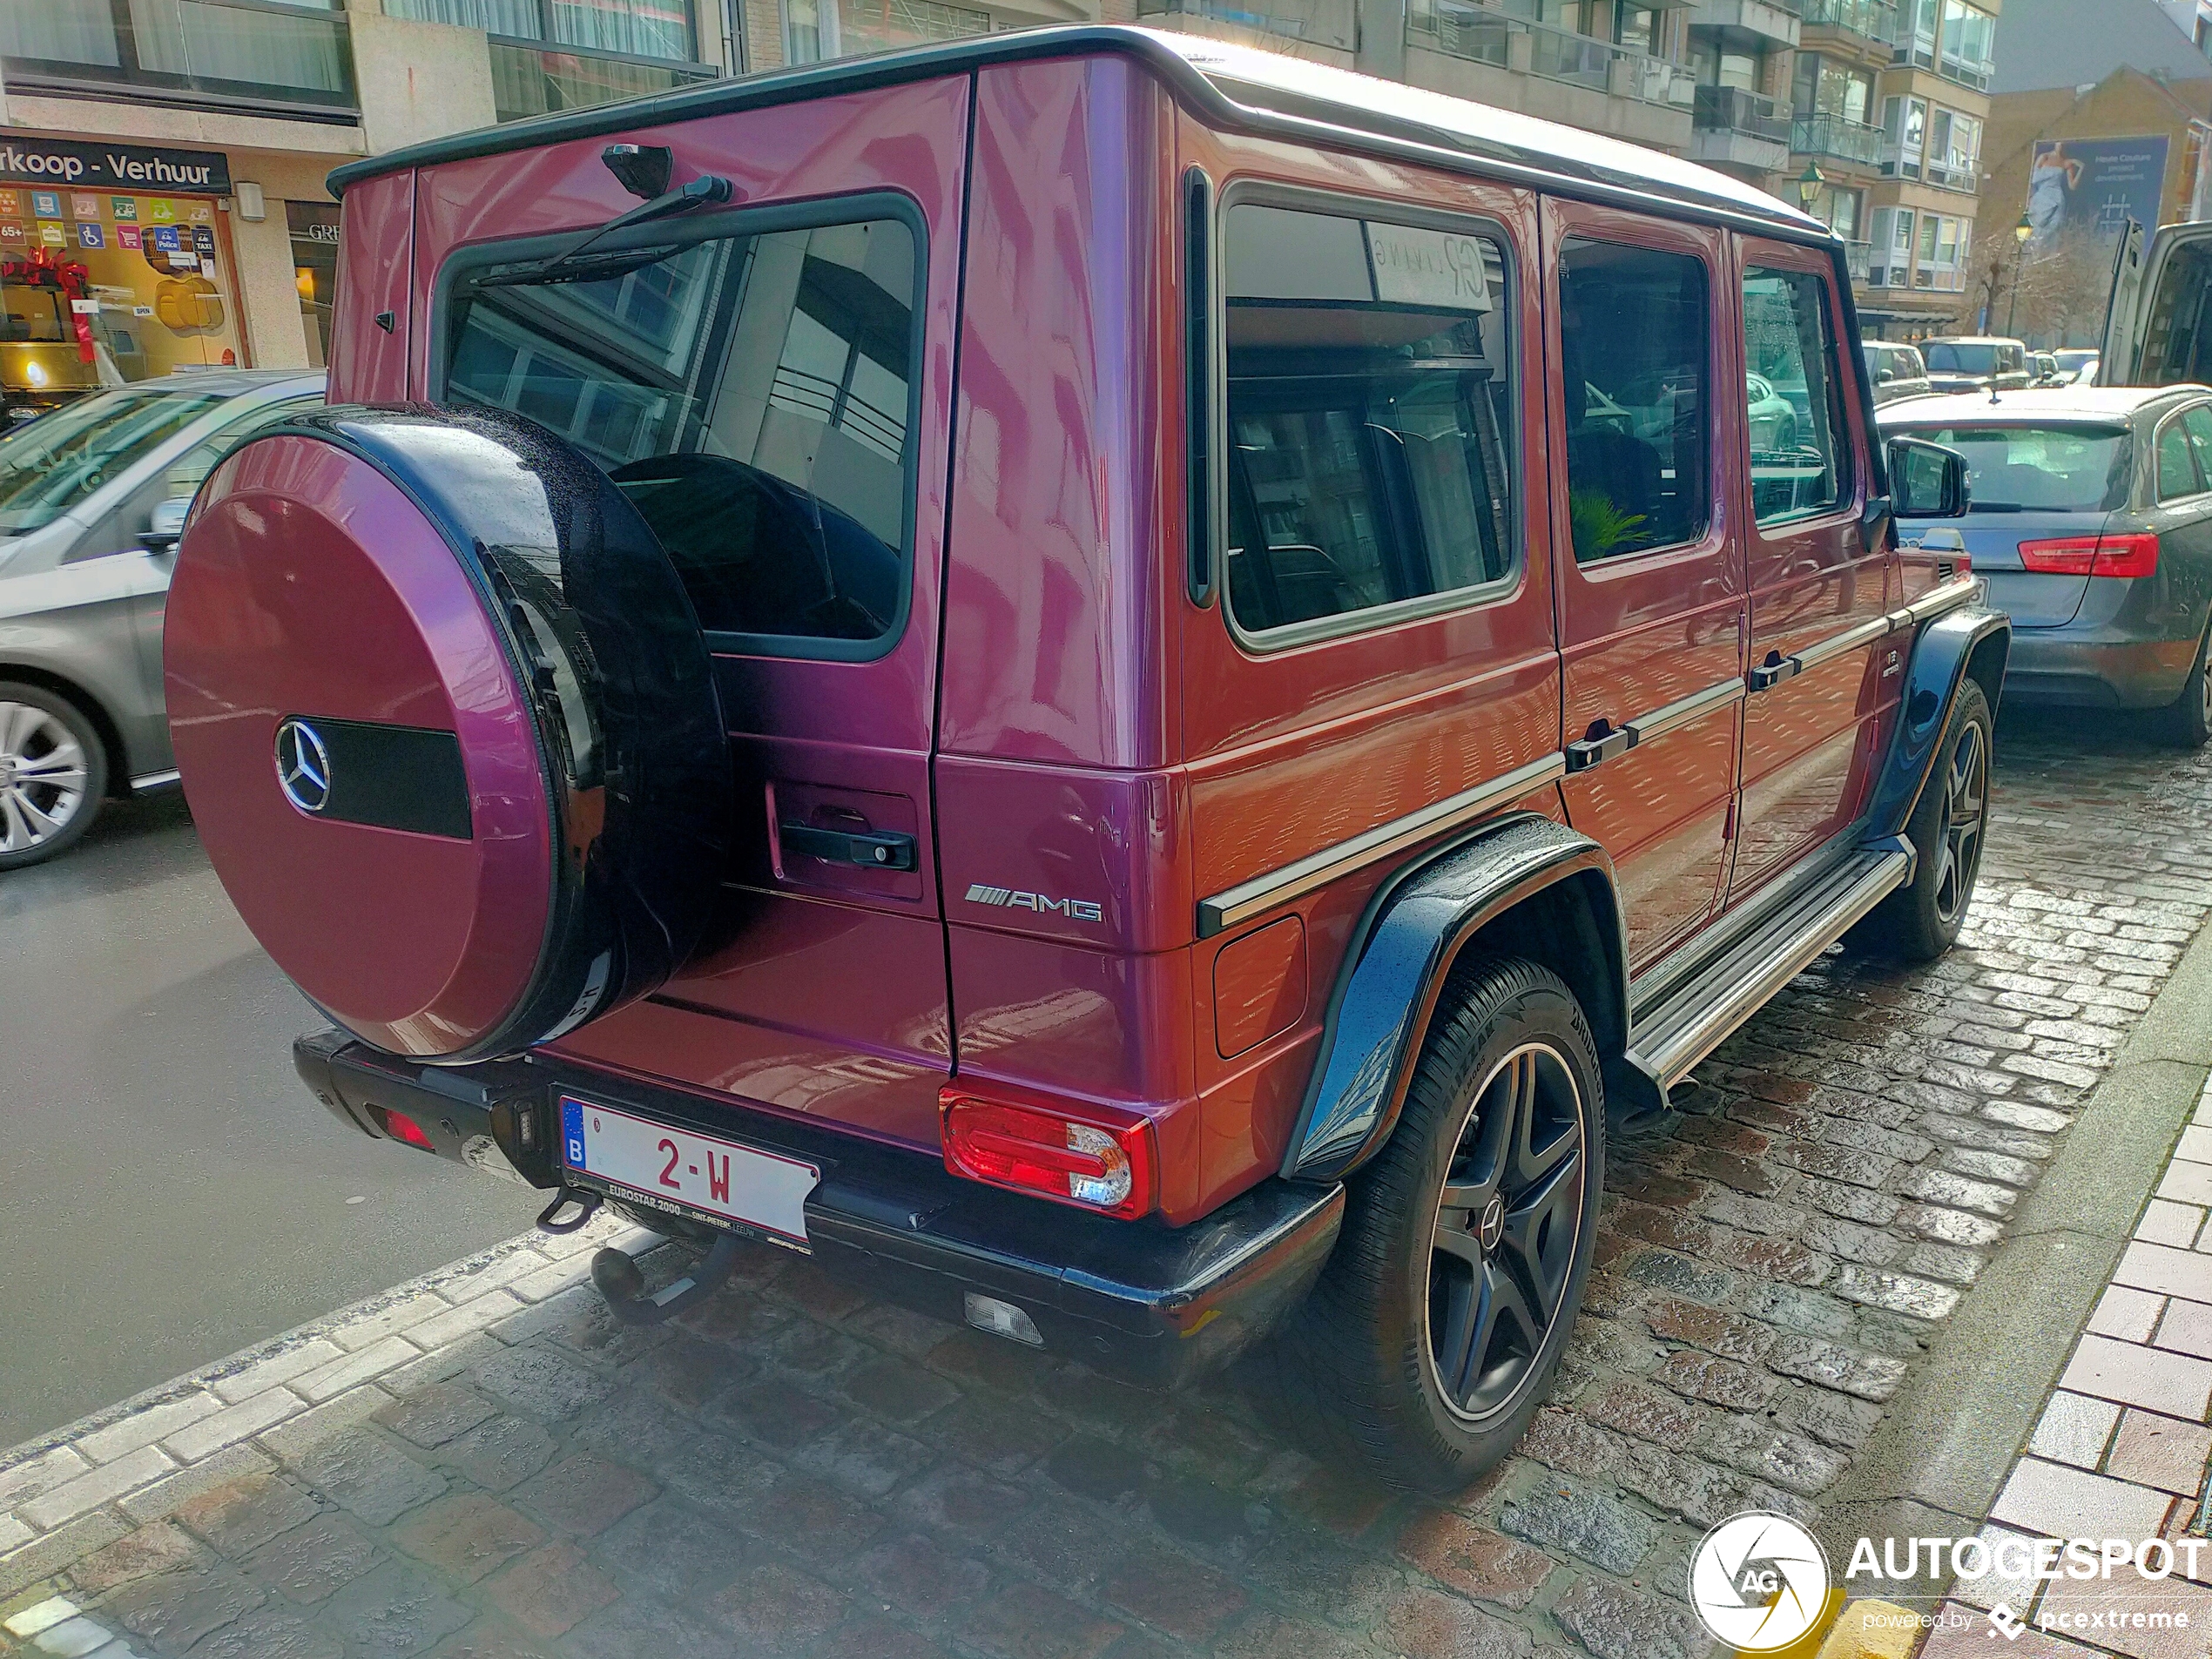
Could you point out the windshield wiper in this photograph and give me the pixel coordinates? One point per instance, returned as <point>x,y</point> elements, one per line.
<point>708,188</point>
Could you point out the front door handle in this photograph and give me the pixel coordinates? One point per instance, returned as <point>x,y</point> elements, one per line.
<point>869,849</point>
<point>1585,752</point>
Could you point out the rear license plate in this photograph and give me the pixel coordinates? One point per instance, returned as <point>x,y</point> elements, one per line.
<point>677,1170</point>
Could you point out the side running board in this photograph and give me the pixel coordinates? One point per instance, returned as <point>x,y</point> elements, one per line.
<point>1692,1016</point>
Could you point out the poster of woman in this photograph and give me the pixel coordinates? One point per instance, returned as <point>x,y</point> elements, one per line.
<point>2089,188</point>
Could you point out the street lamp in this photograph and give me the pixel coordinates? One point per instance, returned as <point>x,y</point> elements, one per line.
<point>1810,183</point>
<point>2021,232</point>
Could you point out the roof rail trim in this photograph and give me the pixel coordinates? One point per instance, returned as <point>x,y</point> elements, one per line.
<point>1284,114</point>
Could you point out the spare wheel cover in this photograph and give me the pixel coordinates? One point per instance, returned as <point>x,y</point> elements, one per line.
<point>446,725</point>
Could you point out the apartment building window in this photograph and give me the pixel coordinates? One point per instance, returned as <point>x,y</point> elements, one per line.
<point>1915,40</point>
<point>552,55</point>
<point>815,31</point>
<point>1954,150</point>
<point>1904,126</point>
<point>288,52</point>
<point>1890,230</point>
<point>1969,48</point>
<point>1637,28</point>
<point>1713,64</point>
<point>1825,87</point>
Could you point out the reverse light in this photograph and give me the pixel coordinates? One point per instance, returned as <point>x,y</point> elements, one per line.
<point>1092,1156</point>
<point>400,1127</point>
<point>2134,554</point>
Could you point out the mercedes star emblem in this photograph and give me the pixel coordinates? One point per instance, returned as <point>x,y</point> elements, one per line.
<point>303,766</point>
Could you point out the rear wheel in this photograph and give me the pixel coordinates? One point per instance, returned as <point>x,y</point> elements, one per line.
<point>1921,921</point>
<point>53,773</point>
<point>1438,1325</point>
<point>2188,719</point>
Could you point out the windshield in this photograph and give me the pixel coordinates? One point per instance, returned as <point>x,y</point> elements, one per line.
<point>2074,359</point>
<point>47,467</point>
<point>2040,469</point>
<point>1962,359</point>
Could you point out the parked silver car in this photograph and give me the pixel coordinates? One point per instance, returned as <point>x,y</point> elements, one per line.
<point>92,497</point>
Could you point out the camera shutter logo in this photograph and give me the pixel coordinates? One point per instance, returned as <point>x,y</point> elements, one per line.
<point>1759,1582</point>
<point>303,766</point>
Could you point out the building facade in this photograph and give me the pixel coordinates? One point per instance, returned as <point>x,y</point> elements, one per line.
<point>162,161</point>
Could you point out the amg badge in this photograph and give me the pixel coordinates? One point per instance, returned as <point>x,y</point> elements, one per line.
<point>1006,899</point>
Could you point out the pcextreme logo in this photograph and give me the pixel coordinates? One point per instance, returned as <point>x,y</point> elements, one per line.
<point>1008,898</point>
<point>1759,1581</point>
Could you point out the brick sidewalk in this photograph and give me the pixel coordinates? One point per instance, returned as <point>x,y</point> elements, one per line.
<point>483,1464</point>
<point>2122,1447</point>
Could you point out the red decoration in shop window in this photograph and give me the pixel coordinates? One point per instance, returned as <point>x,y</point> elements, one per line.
<point>40,269</point>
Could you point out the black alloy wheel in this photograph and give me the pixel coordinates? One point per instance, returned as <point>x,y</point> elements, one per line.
<point>1965,811</point>
<point>1503,1242</point>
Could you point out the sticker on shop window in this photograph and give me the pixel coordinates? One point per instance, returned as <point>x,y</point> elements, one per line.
<point>85,207</point>
<point>46,204</point>
<point>126,236</point>
<point>203,213</point>
<point>91,236</point>
<point>52,236</point>
<point>10,202</point>
<point>161,210</point>
<point>11,232</point>
<point>126,207</point>
<point>168,238</point>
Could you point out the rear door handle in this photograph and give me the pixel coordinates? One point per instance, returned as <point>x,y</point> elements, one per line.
<point>869,849</point>
<point>1585,752</point>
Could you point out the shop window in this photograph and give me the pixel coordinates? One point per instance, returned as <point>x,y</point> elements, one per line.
<point>313,226</point>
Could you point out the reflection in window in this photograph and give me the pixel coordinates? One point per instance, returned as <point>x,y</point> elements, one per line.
<point>2053,468</point>
<point>1638,467</point>
<point>1368,416</point>
<point>749,395</point>
<point>1793,398</point>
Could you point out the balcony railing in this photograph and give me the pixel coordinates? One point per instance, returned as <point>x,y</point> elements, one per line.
<point>531,80</point>
<point>1831,135</point>
<point>1730,109</point>
<point>1478,35</point>
<point>254,53</point>
<point>1874,20</point>
<point>1323,23</point>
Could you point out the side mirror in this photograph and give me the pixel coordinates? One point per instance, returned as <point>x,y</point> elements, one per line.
<point>165,524</point>
<point>1926,480</point>
<point>1886,377</point>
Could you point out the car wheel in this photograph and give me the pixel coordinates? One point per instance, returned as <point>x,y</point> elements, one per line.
<point>2188,719</point>
<point>1920,920</point>
<point>53,772</point>
<point>1436,1328</point>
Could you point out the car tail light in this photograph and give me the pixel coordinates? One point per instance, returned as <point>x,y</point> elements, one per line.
<point>400,1127</point>
<point>1092,1156</point>
<point>2132,554</point>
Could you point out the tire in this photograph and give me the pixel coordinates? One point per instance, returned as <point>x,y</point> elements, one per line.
<point>53,774</point>
<point>1508,1056</point>
<point>1949,823</point>
<point>2187,721</point>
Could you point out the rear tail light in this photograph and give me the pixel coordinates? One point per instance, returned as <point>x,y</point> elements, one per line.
<point>400,1127</point>
<point>2133,554</point>
<point>1092,1156</point>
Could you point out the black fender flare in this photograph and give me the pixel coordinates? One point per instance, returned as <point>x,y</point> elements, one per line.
<point>1943,654</point>
<point>1395,966</point>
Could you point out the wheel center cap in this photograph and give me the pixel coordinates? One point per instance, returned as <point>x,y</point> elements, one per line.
<point>1493,1227</point>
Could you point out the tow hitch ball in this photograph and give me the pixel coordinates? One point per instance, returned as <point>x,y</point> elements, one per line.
<point>616,1273</point>
<point>623,1287</point>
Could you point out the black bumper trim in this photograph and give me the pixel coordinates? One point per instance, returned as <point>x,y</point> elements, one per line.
<point>1151,1305</point>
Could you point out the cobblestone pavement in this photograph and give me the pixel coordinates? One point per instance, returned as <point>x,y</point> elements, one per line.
<point>485,1465</point>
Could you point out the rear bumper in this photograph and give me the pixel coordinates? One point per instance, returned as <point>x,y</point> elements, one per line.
<point>1150,1305</point>
<point>2096,668</point>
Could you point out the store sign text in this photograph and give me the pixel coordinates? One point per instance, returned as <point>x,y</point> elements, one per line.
<point>207,172</point>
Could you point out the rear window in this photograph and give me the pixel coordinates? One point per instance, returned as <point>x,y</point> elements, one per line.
<point>1961,359</point>
<point>751,394</point>
<point>2055,468</point>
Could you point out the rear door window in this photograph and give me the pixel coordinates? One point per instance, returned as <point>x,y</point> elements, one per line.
<point>753,394</point>
<point>2177,473</point>
<point>1635,345</point>
<point>1369,417</point>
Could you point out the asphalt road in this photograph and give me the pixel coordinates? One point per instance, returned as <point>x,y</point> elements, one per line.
<point>169,1192</point>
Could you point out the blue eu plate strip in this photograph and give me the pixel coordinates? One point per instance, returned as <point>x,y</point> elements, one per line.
<point>572,1133</point>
